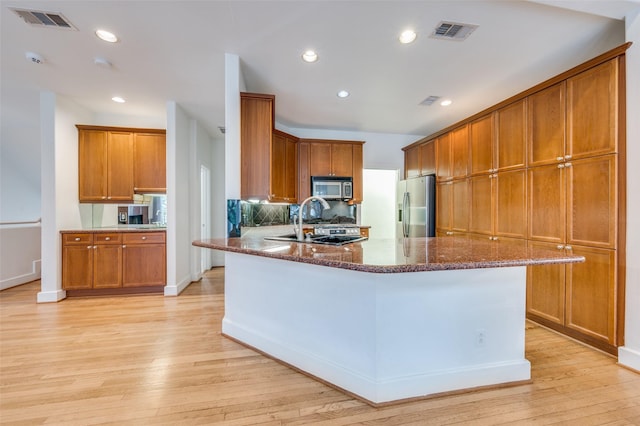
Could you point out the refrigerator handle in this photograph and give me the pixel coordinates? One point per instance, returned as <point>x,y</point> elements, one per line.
<point>406,217</point>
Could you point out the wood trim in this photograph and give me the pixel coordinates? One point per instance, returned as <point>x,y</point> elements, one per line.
<point>618,51</point>
<point>120,129</point>
<point>332,141</point>
<point>120,291</point>
<point>622,198</point>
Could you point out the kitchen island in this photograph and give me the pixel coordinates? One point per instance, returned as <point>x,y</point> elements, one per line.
<point>384,320</point>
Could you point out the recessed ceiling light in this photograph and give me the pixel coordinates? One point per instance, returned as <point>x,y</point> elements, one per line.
<point>106,36</point>
<point>118,99</point>
<point>343,94</point>
<point>407,36</point>
<point>446,102</point>
<point>309,56</point>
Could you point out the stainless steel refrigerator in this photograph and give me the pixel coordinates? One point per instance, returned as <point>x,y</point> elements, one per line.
<point>416,210</point>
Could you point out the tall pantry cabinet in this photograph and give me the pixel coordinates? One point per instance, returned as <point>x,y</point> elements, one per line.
<point>546,168</point>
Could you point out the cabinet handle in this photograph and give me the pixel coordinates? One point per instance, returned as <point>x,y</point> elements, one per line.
<point>144,238</point>
<point>567,157</point>
<point>449,233</point>
<point>104,198</point>
<point>559,246</point>
<point>561,166</point>
<point>568,164</point>
<point>124,246</point>
<point>108,198</point>
<point>89,247</point>
<point>77,238</point>
<point>568,247</point>
<point>559,158</point>
<point>95,247</point>
<point>107,238</point>
<point>494,238</point>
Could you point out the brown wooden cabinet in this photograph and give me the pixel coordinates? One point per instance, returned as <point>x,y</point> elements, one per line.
<point>511,136</point>
<point>460,151</point>
<point>444,169</point>
<point>481,137</point>
<point>105,165</point>
<point>546,125</point>
<point>143,259</point>
<point>284,168</point>
<point>324,157</point>
<point>113,260</point>
<point>149,162</point>
<point>114,163</point>
<point>412,162</point>
<point>452,207</point>
<point>420,159</point>
<point>268,157</point>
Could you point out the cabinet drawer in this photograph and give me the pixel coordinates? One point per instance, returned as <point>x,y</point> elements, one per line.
<point>143,238</point>
<point>114,238</point>
<point>83,238</point>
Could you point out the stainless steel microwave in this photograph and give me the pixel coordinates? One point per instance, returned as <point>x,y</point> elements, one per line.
<point>332,187</point>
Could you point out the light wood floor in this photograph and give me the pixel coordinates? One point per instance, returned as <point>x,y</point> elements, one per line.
<point>143,360</point>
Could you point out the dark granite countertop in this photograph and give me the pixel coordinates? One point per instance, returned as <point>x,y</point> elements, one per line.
<point>121,228</point>
<point>401,255</point>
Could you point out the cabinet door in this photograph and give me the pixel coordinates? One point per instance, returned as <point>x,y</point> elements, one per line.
<point>120,166</point>
<point>291,170</point>
<point>143,265</point>
<point>547,204</point>
<point>77,266</point>
<point>511,136</point>
<point>256,129</point>
<point>428,158</point>
<point>150,162</point>
<point>591,294</point>
<point>92,165</point>
<point>511,204</point>
<point>460,206</point>
<point>546,288</point>
<point>481,215</point>
<point>342,159</point>
<point>592,202</point>
<point>357,174</point>
<point>460,151</point>
<point>444,199</point>
<point>107,266</point>
<point>481,145</point>
<point>412,162</point>
<point>278,169</point>
<point>546,110</point>
<point>304,176</point>
<point>443,157</point>
<point>320,159</point>
<point>592,111</point>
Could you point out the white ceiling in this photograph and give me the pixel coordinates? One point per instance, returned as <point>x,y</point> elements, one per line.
<point>174,50</point>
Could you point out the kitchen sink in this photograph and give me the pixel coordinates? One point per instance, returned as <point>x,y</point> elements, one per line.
<point>333,240</point>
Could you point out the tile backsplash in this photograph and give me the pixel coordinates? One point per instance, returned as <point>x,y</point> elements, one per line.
<point>264,214</point>
<point>255,214</point>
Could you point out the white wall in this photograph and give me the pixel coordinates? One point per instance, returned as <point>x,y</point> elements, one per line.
<point>59,186</point>
<point>178,200</point>
<point>379,202</point>
<point>233,85</point>
<point>629,354</point>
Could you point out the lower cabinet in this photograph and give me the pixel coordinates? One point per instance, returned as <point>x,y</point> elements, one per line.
<point>98,260</point>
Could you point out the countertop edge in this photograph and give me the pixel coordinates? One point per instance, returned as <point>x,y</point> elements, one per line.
<point>386,269</point>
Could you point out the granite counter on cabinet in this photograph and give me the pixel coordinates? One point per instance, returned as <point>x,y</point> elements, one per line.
<point>385,320</point>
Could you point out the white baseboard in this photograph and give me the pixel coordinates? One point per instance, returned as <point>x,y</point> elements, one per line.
<point>24,278</point>
<point>51,296</point>
<point>629,358</point>
<point>174,290</point>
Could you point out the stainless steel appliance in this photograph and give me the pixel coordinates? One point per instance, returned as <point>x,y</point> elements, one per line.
<point>416,198</point>
<point>332,187</point>
<point>133,215</point>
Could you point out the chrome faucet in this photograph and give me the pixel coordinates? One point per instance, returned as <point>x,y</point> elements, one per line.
<point>324,204</point>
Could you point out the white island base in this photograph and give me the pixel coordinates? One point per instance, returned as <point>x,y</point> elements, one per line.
<point>382,337</point>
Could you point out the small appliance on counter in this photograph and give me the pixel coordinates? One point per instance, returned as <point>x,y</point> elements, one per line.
<point>133,215</point>
<point>332,187</point>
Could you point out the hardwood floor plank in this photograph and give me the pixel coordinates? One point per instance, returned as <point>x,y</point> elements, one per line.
<point>154,360</point>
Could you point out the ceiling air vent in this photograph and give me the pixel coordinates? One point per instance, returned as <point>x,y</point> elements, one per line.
<point>452,31</point>
<point>430,100</point>
<point>44,19</point>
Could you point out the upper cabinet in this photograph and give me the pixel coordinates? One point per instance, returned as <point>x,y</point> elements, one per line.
<point>320,157</point>
<point>592,111</point>
<point>114,163</point>
<point>269,158</point>
<point>547,125</point>
<point>511,136</point>
<point>105,166</point>
<point>149,162</point>
<point>482,145</point>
